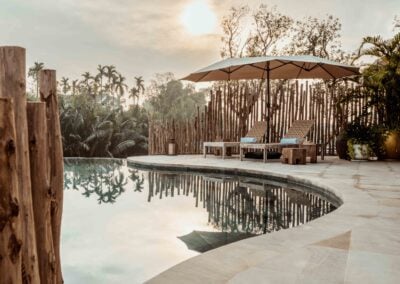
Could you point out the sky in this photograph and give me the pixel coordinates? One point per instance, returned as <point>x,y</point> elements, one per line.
<point>142,38</point>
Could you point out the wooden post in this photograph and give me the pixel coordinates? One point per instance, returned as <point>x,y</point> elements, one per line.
<point>41,196</point>
<point>12,85</point>
<point>48,94</point>
<point>10,215</point>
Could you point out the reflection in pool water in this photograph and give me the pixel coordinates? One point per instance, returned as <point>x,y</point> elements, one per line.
<point>150,220</point>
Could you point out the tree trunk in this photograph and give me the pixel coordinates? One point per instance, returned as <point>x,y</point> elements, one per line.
<point>12,84</point>
<point>48,94</point>
<point>41,195</point>
<point>10,217</point>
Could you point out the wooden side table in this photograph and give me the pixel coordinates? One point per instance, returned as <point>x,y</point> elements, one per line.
<point>311,150</point>
<point>222,145</point>
<point>294,156</point>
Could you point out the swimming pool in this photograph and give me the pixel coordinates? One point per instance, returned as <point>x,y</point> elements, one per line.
<point>123,224</point>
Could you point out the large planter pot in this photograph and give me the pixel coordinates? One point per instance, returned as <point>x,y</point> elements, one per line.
<point>392,145</point>
<point>360,152</point>
<point>341,148</point>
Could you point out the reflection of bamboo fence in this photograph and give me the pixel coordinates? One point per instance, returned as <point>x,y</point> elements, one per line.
<point>229,115</point>
<point>234,206</point>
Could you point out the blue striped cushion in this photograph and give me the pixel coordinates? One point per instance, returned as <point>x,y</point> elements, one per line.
<point>248,140</point>
<point>290,141</point>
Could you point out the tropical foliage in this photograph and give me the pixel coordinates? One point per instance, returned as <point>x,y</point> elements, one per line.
<point>33,73</point>
<point>101,116</point>
<point>169,99</point>
<point>104,179</point>
<point>383,76</point>
<point>96,118</point>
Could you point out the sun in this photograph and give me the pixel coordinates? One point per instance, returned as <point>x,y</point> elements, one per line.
<point>198,18</point>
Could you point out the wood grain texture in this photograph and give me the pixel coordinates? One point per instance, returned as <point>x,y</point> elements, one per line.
<point>10,215</point>
<point>41,194</point>
<point>12,85</point>
<point>48,94</point>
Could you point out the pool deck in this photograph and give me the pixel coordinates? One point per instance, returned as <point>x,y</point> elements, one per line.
<point>357,243</point>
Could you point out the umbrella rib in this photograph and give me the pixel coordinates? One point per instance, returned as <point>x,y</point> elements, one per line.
<point>347,69</point>
<point>270,69</point>
<point>202,77</point>
<point>240,66</point>
<point>291,63</point>
<point>338,66</point>
<point>283,64</point>
<point>301,69</point>
<point>326,70</point>
<point>252,65</point>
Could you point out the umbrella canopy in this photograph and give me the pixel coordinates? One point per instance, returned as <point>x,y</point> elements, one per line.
<point>202,241</point>
<point>273,67</point>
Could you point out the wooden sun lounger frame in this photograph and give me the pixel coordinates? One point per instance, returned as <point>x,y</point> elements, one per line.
<point>257,131</point>
<point>299,129</point>
<point>265,147</point>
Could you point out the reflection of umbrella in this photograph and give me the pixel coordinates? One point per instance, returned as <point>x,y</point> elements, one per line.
<point>272,67</point>
<point>202,241</point>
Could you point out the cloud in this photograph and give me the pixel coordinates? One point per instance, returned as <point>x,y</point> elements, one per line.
<point>139,24</point>
<point>145,37</point>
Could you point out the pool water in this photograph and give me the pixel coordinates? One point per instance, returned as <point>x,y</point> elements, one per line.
<point>126,225</point>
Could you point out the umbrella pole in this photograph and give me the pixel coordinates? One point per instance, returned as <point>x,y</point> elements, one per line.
<point>268,110</point>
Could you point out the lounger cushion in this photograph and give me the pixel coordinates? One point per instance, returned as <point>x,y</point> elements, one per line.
<point>248,140</point>
<point>291,141</point>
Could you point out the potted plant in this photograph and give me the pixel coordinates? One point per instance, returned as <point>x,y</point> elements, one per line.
<point>359,138</point>
<point>378,139</point>
<point>341,145</point>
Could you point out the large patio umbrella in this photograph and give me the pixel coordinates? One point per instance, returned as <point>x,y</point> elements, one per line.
<point>273,67</point>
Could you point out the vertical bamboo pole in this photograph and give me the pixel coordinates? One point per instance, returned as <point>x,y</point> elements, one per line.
<point>12,84</point>
<point>41,197</point>
<point>48,94</point>
<point>10,215</point>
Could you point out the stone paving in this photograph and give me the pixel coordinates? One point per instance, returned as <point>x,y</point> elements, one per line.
<point>357,243</point>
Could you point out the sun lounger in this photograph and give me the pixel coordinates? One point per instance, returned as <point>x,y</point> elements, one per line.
<point>293,138</point>
<point>255,134</point>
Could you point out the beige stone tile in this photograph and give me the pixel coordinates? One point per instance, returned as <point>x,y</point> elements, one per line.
<point>307,265</point>
<point>367,267</point>
<point>372,239</point>
<point>341,241</point>
<point>357,243</point>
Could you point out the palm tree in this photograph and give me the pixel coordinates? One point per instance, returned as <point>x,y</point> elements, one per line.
<point>384,74</point>
<point>110,74</point>
<point>86,80</point>
<point>120,85</point>
<point>134,94</point>
<point>102,72</point>
<point>75,84</point>
<point>33,72</point>
<point>139,82</point>
<point>65,85</point>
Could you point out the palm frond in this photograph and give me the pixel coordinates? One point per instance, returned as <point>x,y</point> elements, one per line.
<point>122,147</point>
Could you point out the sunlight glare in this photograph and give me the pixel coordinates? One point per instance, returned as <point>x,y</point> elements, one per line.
<point>198,18</point>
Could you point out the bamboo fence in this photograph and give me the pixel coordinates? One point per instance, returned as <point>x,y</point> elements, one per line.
<point>232,111</point>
